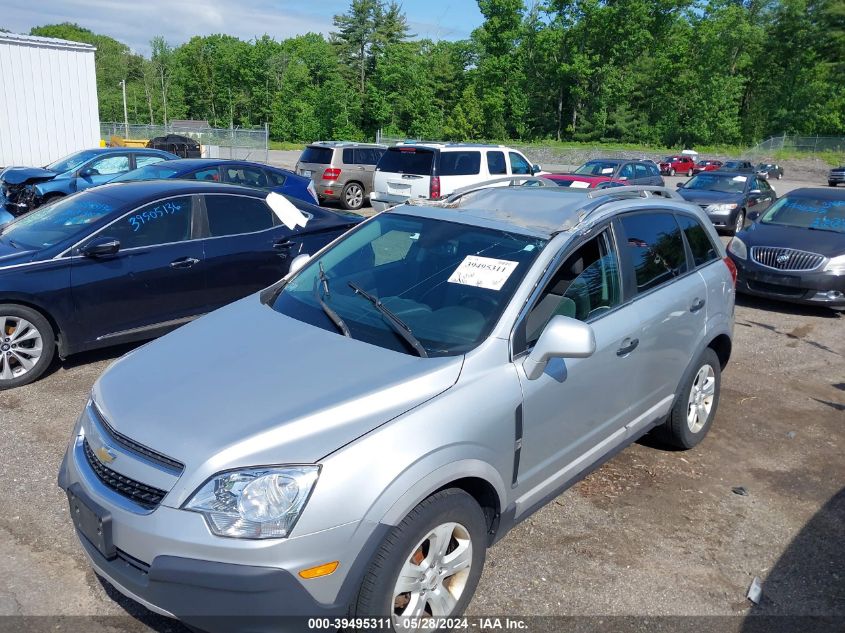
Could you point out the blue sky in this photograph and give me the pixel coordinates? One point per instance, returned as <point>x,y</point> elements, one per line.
<point>135,22</point>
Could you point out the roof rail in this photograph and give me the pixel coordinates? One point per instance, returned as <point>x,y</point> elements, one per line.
<point>642,191</point>
<point>516,180</point>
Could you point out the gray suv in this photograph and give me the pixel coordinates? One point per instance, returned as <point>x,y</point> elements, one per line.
<point>406,396</point>
<point>342,171</point>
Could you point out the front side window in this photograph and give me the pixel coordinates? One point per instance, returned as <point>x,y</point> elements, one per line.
<point>233,215</point>
<point>142,160</point>
<point>699,241</point>
<point>496,163</point>
<point>627,171</point>
<point>518,164</point>
<point>162,222</point>
<point>460,163</point>
<point>585,286</point>
<point>655,247</point>
<point>109,165</point>
<point>447,282</point>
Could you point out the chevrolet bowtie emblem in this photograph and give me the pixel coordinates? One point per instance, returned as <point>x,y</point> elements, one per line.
<point>105,454</point>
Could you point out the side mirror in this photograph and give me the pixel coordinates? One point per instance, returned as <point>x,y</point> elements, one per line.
<point>101,247</point>
<point>298,262</point>
<point>680,185</point>
<point>535,169</point>
<point>753,216</point>
<point>562,337</point>
<point>87,172</point>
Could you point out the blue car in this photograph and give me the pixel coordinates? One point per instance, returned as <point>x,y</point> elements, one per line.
<point>23,189</point>
<point>131,261</point>
<point>230,171</point>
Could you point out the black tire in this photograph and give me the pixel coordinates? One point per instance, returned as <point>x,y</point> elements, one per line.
<point>352,196</point>
<point>672,171</point>
<point>676,430</point>
<point>780,176</point>
<point>375,597</point>
<point>739,221</point>
<point>831,184</point>
<point>10,352</point>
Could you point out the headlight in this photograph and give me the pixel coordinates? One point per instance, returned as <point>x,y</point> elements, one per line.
<point>737,247</point>
<point>721,208</point>
<point>836,265</point>
<point>254,503</point>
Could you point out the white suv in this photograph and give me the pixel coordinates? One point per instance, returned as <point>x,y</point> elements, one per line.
<point>433,170</point>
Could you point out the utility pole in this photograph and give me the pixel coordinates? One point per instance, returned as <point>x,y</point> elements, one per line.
<point>125,112</point>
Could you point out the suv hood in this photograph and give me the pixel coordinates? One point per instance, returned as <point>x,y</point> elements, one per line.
<point>704,196</point>
<point>24,175</point>
<point>248,386</point>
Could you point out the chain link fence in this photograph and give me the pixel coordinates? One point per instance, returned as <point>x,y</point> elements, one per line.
<point>234,143</point>
<point>800,144</point>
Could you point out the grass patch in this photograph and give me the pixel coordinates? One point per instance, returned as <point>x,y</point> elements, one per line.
<point>286,145</point>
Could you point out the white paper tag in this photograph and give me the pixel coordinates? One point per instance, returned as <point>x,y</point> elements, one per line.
<point>290,216</point>
<point>483,272</point>
<point>607,170</point>
<point>740,178</point>
<point>579,184</point>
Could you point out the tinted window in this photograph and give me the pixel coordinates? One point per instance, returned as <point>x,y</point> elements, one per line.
<point>161,222</point>
<point>242,175</point>
<point>585,286</point>
<point>641,171</point>
<point>232,215</point>
<point>655,247</point>
<point>348,156</point>
<point>699,242</point>
<point>209,173</point>
<point>518,164</point>
<point>366,156</point>
<point>596,168</point>
<point>459,163</point>
<point>316,155</point>
<point>496,163</point>
<point>110,165</point>
<point>407,160</point>
<point>653,169</point>
<point>275,178</point>
<point>56,222</point>
<point>146,159</point>
<point>627,171</point>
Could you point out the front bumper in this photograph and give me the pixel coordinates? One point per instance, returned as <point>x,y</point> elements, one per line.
<point>808,288</point>
<point>836,177</point>
<point>167,560</point>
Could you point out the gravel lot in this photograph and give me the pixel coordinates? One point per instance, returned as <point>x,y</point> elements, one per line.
<point>652,533</point>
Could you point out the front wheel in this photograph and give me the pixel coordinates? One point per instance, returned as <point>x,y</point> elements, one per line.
<point>429,565</point>
<point>689,174</point>
<point>740,221</point>
<point>27,345</point>
<point>830,183</point>
<point>672,171</point>
<point>352,197</point>
<point>696,404</point>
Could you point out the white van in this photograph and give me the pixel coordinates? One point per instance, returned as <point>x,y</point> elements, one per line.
<point>434,170</point>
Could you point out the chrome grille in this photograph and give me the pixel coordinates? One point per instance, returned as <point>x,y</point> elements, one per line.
<point>785,258</point>
<point>145,496</point>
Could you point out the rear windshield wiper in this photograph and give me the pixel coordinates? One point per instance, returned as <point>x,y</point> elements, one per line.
<point>399,326</point>
<point>333,316</point>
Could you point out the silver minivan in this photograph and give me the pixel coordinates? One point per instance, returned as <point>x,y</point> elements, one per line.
<point>401,400</point>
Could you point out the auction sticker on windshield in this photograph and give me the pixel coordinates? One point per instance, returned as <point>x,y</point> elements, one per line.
<point>483,272</point>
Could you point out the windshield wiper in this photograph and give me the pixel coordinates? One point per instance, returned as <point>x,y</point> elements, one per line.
<point>398,325</point>
<point>334,317</point>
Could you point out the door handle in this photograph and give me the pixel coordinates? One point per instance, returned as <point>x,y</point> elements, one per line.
<point>184,262</point>
<point>630,347</point>
<point>283,245</point>
<point>697,305</point>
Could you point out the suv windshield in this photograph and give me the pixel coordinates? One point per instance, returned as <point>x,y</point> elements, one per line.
<point>322,155</point>
<point>71,162</point>
<point>56,222</point>
<point>810,213</point>
<point>407,160</point>
<point>155,171</point>
<point>596,168</point>
<point>447,282</point>
<point>723,183</point>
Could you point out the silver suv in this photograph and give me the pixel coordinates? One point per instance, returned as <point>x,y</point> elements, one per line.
<point>342,171</point>
<point>406,396</point>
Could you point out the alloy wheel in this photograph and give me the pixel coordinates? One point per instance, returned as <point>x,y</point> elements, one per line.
<point>353,195</point>
<point>433,578</point>
<point>20,348</point>
<point>740,221</point>
<point>701,398</point>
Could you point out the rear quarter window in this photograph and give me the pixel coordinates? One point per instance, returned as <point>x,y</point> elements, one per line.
<point>321,155</point>
<point>460,163</point>
<point>655,248</point>
<point>702,247</point>
<point>407,160</point>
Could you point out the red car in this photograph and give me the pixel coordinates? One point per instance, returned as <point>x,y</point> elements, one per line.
<point>577,181</point>
<point>706,165</point>
<point>679,164</point>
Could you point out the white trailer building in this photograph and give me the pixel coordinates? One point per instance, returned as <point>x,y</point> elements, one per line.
<point>48,99</point>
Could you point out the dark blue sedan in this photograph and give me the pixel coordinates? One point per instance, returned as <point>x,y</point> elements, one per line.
<point>230,171</point>
<point>131,261</point>
<point>23,189</point>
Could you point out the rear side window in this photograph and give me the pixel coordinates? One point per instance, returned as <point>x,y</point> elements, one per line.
<point>496,163</point>
<point>316,155</point>
<point>642,171</point>
<point>142,160</point>
<point>407,160</point>
<point>460,163</point>
<point>655,247</point>
<point>209,173</point>
<point>699,242</point>
<point>233,215</point>
<point>244,175</point>
<point>275,178</point>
